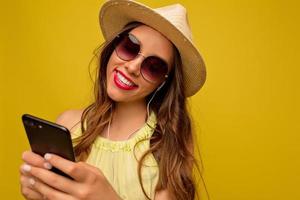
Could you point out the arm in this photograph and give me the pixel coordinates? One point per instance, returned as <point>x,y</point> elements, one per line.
<point>70,118</point>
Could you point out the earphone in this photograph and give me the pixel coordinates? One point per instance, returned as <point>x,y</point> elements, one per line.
<point>153,98</point>
<point>161,85</point>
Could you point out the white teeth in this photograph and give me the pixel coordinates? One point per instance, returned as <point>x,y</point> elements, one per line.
<point>124,80</point>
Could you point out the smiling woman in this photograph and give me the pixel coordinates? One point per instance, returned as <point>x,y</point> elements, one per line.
<point>135,141</point>
<point>129,69</point>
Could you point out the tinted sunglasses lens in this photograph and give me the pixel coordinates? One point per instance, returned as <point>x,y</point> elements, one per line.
<point>154,69</point>
<point>128,48</point>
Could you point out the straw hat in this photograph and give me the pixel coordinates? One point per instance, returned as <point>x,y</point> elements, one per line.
<point>171,21</point>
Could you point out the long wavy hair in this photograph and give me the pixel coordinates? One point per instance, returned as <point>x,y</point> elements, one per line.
<point>172,140</point>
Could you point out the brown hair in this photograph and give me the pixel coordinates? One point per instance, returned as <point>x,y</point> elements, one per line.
<point>172,140</point>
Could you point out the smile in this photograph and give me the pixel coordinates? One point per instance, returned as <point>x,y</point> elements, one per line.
<point>122,81</point>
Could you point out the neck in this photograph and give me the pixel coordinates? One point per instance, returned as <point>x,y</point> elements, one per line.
<point>129,110</point>
<point>127,117</point>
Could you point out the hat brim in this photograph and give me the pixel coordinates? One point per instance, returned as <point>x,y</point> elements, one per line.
<point>115,14</point>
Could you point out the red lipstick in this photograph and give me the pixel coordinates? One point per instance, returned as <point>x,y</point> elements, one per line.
<point>121,84</point>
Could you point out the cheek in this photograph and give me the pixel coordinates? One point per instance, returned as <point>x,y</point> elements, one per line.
<point>147,89</point>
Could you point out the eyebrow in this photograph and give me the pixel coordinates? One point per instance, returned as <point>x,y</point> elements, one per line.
<point>139,42</point>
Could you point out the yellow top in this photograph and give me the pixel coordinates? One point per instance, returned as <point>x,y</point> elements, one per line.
<point>118,162</point>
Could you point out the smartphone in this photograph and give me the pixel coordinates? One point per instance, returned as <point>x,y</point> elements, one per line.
<point>48,137</point>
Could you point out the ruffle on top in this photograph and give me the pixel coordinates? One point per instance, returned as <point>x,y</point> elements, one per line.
<point>140,136</point>
<point>118,160</point>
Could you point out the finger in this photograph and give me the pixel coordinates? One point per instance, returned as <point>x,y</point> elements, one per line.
<point>28,193</point>
<point>26,189</point>
<point>54,180</point>
<point>49,192</point>
<point>24,180</point>
<point>76,170</point>
<point>25,168</point>
<point>34,159</point>
<point>22,170</point>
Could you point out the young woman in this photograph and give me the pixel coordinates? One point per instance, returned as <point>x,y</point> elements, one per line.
<point>135,140</point>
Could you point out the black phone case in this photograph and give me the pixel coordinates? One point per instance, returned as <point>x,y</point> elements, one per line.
<point>48,137</point>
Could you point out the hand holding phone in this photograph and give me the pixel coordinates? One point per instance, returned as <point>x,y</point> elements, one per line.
<point>48,137</point>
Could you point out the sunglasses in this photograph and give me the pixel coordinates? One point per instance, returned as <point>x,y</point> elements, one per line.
<point>153,69</point>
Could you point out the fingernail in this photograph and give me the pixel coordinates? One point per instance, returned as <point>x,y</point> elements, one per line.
<point>26,167</point>
<point>47,165</point>
<point>31,181</point>
<point>47,156</point>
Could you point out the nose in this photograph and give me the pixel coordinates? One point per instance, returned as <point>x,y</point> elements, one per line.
<point>134,66</point>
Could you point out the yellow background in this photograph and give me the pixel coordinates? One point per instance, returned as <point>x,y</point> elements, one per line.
<point>247,114</point>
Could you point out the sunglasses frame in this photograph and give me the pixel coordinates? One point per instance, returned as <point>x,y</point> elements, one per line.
<point>119,39</point>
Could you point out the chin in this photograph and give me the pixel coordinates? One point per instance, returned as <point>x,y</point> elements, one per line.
<point>114,96</point>
<point>117,96</point>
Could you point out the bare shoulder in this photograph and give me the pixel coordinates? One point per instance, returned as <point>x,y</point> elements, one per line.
<point>70,118</point>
